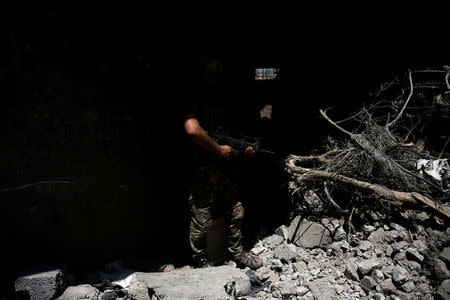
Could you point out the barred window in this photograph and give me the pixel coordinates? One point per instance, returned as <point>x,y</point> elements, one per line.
<point>266,73</point>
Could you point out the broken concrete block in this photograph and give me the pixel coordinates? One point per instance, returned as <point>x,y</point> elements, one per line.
<point>285,253</point>
<point>300,266</point>
<point>335,247</point>
<point>388,287</point>
<point>404,236</point>
<point>321,289</point>
<point>408,286</point>
<point>440,269</point>
<point>391,236</point>
<point>378,275</point>
<point>389,250</point>
<point>364,245</point>
<point>238,287</point>
<point>283,232</point>
<point>258,250</point>
<point>204,283</point>
<point>302,290</point>
<point>138,290</point>
<point>377,236</point>
<point>379,296</point>
<point>351,269</point>
<point>80,292</point>
<point>444,289</point>
<point>422,216</point>
<point>445,255</point>
<point>339,234</point>
<point>396,226</point>
<point>108,295</point>
<point>413,254</point>
<point>366,266</point>
<point>368,228</point>
<point>287,289</point>
<point>272,241</point>
<point>367,283</point>
<point>399,246</point>
<point>313,201</point>
<point>264,273</point>
<point>309,234</point>
<point>41,286</point>
<point>293,227</point>
<point>400,274</point>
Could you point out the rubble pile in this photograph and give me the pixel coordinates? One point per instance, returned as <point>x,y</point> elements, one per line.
<point>304,260</point>
<point>321,260</point>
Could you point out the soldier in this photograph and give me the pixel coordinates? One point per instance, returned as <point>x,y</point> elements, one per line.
<point>214,190</point>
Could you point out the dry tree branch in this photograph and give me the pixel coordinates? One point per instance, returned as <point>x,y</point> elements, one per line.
<point>374,190</point>
<point>323,158</point>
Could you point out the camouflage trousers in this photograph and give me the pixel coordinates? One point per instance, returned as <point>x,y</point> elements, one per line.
<point>214,195</point>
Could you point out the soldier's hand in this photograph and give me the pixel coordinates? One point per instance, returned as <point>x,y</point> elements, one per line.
<point>250,151</point>
<point>225,152</point>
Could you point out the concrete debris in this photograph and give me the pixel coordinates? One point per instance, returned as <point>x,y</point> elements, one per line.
<point>138,290</point>
<point>81,292</point>
<point>272,241</point>
<point>445,255</point>
<point>309,234</point>
<point>351,270</point>
<point>283,232</point>
<point>400,274</point>
<point>376,236</point>
<point>322,289</point>
<point>307,260</point>
<point>366,266</point>
<point>108,295</point>
<point>388,287</point>
<point>364,245</point>
<point>41,286</point>
<point>408,286</point>
<point>285,252</point>
<point>413,254</point>
<point>368,283</point>
<point>379,262</point>
<point>339,234</point>
<point>205,283</point>
<point>440,269</point>
<point>422,216</point>
<point>444,289</point>
<point>264,273</point>
<point>377,275</point>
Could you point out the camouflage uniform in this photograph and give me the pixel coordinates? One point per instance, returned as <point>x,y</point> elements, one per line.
<point>213,195</point>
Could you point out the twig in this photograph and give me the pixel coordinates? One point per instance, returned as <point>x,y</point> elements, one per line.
<point>331,200</point>
<point>406,102</point>
<point>334,124</point>
<point>349,222</point>
<point>385,87</point>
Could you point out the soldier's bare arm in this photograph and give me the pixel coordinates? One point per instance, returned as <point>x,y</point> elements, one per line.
<point>200,137</point>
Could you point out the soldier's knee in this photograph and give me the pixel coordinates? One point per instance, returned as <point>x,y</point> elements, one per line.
<point>238,213</point>
<point>201,218</point>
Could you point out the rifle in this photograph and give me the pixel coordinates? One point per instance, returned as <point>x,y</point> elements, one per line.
<point>238,143</point>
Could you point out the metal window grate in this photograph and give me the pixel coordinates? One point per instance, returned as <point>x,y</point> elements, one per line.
<point>266,73</point>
